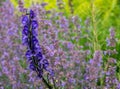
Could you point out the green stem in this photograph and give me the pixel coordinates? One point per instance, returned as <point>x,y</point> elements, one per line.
<point>54,83</point>
<point>46,83</point>
<point>95,41</point>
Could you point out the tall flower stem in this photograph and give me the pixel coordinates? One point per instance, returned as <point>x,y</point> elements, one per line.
<point>54,83</point>
<point>95,41</point>
<point>33,58</point>
<point>46,83</point>
<point>38,63</point>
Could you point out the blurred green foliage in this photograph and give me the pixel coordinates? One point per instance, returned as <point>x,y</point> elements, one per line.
<point>107,11</point>
<point>1,2</point>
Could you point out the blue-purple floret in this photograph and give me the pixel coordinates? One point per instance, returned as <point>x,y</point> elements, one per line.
<point>34,55</point>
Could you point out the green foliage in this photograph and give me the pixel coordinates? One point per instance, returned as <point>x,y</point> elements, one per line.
<point>23,78</point>
<point>107,12</point>
<point>23,63</point>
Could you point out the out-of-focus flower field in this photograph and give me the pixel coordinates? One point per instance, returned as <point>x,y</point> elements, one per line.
<point>59,44</point>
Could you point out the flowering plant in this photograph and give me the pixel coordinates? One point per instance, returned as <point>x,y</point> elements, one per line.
<point>37,61</point>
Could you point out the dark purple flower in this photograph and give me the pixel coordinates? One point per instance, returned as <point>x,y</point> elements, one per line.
<point>34,32</point>
<point>24,39</point>
<point>38,63</point>
<point>40,73</point>
<point>25,20</point>
<point>34,40</point>
<point>45,63</point>
<point>39,56</point>
<point>25,30</point>
<point>28,54</point>
<point>34,24</point>
<point>32,14</point>
<point>32,66</point>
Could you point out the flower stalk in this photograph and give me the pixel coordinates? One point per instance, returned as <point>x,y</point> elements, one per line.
<point>37,61</point>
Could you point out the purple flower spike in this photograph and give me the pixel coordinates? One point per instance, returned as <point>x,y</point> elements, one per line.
<point>34,55</point>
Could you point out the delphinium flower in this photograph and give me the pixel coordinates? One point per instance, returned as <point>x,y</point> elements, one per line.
<point>93,71</point>
<point>37,61</point>
<point>111,82</point>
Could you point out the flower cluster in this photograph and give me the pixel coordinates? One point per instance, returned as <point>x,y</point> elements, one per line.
<point>34,55</point>
<point>11,48</point>
<point>111,41</point>
<point>111,80</point>
<point>93,71</point>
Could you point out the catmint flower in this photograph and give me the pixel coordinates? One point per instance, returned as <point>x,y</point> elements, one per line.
<point>93,70</point>
<point>111,80</point>
<point>111,41</point>
<point>43,4</point>
<point>112,32</point>
<point>63,23</point>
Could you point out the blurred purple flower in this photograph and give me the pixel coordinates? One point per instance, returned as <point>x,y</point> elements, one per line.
<point>110,79</point>
<point>111,41</point>
<point>93,70</point>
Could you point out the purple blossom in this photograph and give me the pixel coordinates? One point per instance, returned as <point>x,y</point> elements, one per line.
<point>34,24</point>
<point>64,23</point>
<point>34,53</point>
<point>111,80</point>
<point>25,20</point>
<point>93,71</point>
<point>111,42</point>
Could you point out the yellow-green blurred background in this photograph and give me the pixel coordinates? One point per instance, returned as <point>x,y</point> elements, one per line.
<point>107,11</point>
